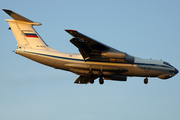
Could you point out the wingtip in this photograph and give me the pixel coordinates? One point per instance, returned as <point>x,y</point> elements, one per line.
<point>68,30</point>
<point>6,10</point>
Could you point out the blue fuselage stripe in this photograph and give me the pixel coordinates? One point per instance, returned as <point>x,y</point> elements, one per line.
<point>143,64</point>
<point>55,56</point>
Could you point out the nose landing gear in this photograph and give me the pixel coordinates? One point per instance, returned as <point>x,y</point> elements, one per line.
<point>146,80</point>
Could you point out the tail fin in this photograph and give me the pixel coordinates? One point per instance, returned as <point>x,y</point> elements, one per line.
<point>24,32</point>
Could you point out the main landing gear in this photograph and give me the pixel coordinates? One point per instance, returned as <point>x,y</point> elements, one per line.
<point>146,80</point>
<point>91,79</point>
<point>101,80</point>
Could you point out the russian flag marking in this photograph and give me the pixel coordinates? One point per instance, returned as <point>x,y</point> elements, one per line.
<point>31,35</point>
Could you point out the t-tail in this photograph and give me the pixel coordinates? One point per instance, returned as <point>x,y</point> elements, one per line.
<point>24,32</point>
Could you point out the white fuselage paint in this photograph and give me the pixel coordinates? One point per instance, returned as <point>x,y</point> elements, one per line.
<point>58,60</point>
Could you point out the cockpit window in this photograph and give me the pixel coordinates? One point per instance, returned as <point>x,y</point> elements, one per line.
<point>166,63</point>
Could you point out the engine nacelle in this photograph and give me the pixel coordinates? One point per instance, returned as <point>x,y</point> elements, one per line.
<point>116,78</point>
<point>118,57</point>
<point>129,58</point>
<point>114,55</point>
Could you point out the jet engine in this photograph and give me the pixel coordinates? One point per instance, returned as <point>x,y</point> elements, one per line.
<point>118,57</point>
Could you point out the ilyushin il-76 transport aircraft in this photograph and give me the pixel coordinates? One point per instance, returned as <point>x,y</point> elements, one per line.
<point>96,60</point>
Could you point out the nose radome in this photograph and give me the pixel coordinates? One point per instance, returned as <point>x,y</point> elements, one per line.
<point>176,71</point>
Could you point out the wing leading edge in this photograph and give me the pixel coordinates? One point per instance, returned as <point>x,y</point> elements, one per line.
<point>92,50</point>
<point>87,46</point>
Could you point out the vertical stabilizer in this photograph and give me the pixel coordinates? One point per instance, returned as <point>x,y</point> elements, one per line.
<point>24,32</point>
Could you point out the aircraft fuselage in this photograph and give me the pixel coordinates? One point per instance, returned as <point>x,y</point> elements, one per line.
<point>76,64</point>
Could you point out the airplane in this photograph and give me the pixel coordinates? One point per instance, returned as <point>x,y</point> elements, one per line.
<point>96,60</point>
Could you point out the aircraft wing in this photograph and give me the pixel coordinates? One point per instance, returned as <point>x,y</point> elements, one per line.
<point>87,46</point>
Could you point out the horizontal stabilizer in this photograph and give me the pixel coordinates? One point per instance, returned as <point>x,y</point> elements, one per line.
<point>16,16</point>
<point>24,32</point>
